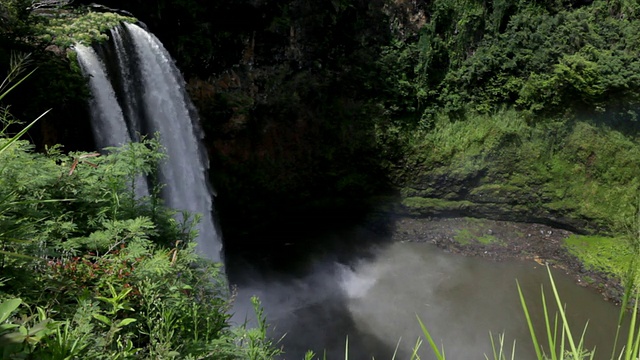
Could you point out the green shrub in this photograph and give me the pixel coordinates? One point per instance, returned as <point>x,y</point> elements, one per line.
<point>106,274</point>
<point>68,28</point>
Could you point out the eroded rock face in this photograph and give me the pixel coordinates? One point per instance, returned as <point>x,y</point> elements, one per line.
<point>482,191</point>
<point>287,125</point>
<point>275,146</point>
<point>285,100</point>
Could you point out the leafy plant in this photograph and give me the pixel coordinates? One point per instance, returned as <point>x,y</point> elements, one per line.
<point>254,341</point>
<point>7,199</point>
<point>118,269</point>
<point>22,336</point>
<point>68,28</point>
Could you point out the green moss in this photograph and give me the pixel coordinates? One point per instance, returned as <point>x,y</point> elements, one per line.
<point>489,240</point>
<point>503,192</point>
<point>464,236</point>
<point>561,206</point>
<point>496,189</point>
<point>581,170</point>
<point>429,205</point>
<point>477,231</point>
<point>606,254</point>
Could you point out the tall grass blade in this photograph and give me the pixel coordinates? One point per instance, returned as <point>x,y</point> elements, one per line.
<point>534,339</point>
<point>6,145</point>
<point>584,332</point>
<point>416,347</point>
<point>434,347</point>
<point>552,336</point>
<point>346,349</point>
<point>628,349</point>
<point>499,352</point>
<point>493,348</point>
<point>395,352</point>
<point>636,350</point>
<point>631,276</point>
<point>565,323</point>
<point>5,93</point>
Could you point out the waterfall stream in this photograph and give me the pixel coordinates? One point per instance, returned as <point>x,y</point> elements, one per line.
<point>107,121</point>
<point>135,72</point>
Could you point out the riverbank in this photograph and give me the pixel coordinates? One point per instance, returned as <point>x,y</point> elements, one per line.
<point>501,240</point>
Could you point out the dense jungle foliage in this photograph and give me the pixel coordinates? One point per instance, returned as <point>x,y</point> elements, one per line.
<point>87,268</point>
<point>513,109</point>
<point>91,271</point>
<point>543,58</point>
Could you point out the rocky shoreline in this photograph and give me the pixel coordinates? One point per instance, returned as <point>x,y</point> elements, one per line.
<point>501,240</point>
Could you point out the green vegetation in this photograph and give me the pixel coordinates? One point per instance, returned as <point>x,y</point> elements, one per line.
<point>515,109</point>
<point>67,28</point>
<point>607,255</point>
<point>89,270</point>
<point>488,240</point>
<point>420,205</point>
<point>476,235</point>
<point>464,237</point>
<point>56,24</point>
<point>542,57</point>
<point>119,276</point>
<point>583,172</point>
<point>468,236</point>
<point>505,108</point>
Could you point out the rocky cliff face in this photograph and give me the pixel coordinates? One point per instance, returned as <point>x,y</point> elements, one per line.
<point>284,92</point>
<point>289,124</point>
<point>292,96</point>
<point>288,94</point>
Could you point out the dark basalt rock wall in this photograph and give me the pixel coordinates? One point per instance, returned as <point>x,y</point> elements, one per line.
<point>284,95</point>
<point>287,94</point>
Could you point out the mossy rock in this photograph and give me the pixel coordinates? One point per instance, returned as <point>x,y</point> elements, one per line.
<point>497,193</point>
<point>433,206</point>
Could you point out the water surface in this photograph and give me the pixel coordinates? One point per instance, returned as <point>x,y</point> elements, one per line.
<point>374,297</point>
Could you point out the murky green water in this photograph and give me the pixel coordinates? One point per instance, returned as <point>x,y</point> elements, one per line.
<point>374,301</point>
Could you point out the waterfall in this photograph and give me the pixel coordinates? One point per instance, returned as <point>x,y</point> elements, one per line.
<point>135,72</point>
<point>107,121</point>
<point>130,99</point>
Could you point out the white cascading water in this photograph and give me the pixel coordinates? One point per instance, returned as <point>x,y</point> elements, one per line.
<point>128,83</point>
<point>155,101</point>
<point>107,121</point>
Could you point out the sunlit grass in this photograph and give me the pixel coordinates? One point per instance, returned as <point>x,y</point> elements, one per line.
<point>602,254</point>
